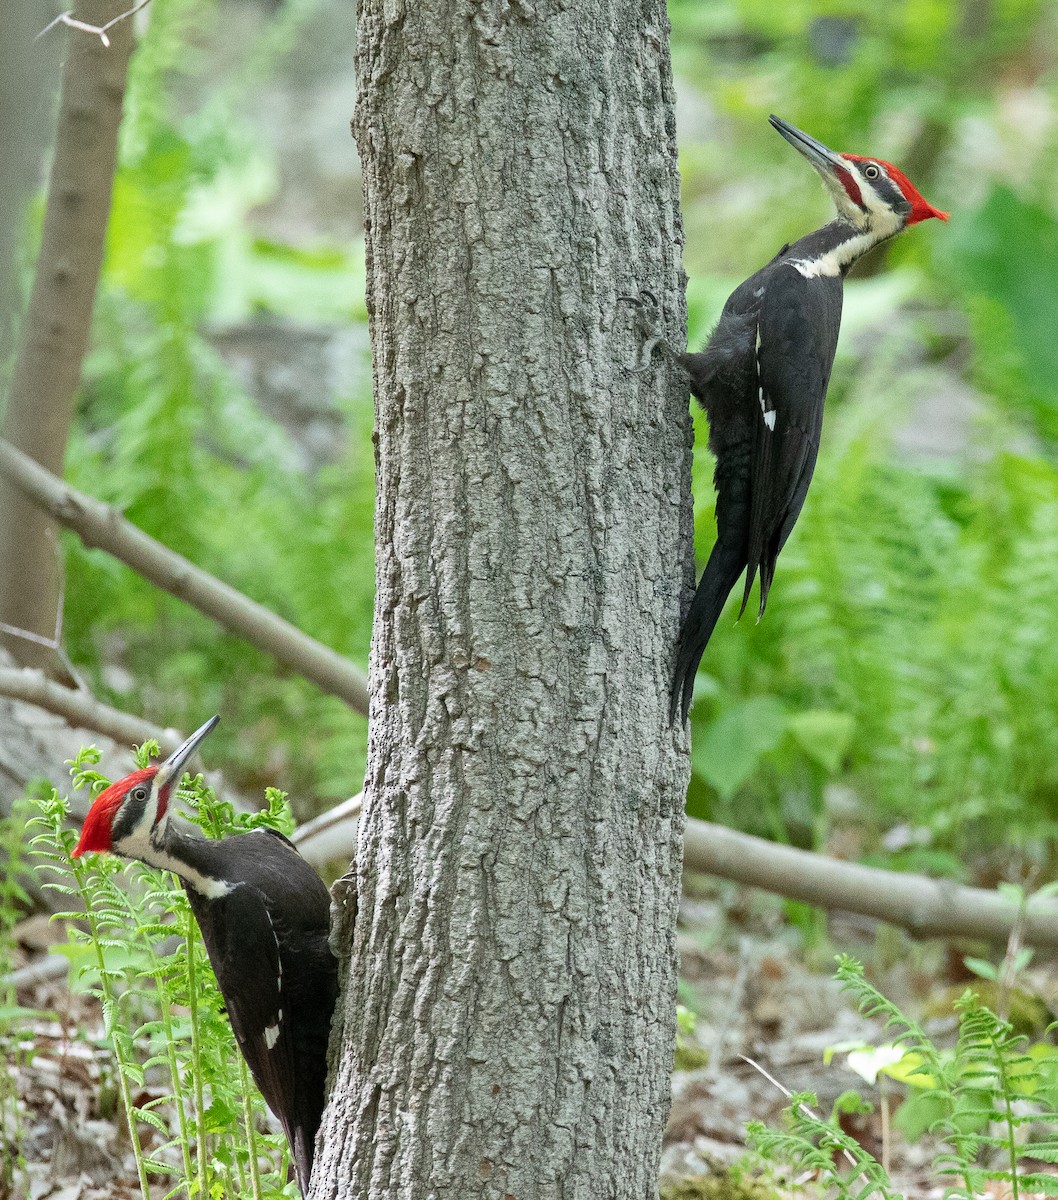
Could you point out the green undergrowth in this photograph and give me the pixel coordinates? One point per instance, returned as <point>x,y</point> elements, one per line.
<point>991,1101</point>
<point>16,1038</point>
<point>904,673</point>
<point>196,1122</point>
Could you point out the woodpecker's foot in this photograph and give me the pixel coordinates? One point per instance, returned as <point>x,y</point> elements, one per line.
<point>648,325</point>
<point>343,913</point>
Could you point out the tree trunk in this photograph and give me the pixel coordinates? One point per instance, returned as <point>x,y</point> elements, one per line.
<point>508,1015</point>
<point>27,67</point>
<point>47,368</point>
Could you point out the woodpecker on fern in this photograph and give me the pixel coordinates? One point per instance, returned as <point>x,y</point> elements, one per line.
<point>264,914</point>
<point>763,376</point>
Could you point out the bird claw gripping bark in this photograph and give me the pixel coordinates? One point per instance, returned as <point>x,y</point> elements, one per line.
<point>648,323</point>
<point>343,913</point>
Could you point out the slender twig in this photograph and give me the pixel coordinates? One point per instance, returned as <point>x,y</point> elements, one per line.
<point>53,643</point>
<point>67,18</point>
<point>803,1109</point>
<point>1008,969</point>
<point>99,525</point>
<point>332,835</point>
<point>734,1005</point>
<point>27,635</point>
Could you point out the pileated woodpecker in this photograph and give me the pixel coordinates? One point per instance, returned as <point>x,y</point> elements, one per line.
<point>763,377</point>
<point>265,917</point>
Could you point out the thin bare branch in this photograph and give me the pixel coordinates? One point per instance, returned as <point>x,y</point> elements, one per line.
<point>332,835</point>
<point>100,31</point>
<point>803,1109</point>
<point>924,907</point>
<point>99,525</point>
<point>44,970</point>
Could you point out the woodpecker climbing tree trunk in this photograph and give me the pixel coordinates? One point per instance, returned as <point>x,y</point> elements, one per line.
<point>507,1023</point>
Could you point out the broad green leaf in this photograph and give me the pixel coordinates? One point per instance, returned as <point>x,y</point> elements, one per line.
<point>824,735</point>
<point>729,750</point>
<point>1007,251</point>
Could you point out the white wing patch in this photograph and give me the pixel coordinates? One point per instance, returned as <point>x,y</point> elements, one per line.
<point>767,413</point>
<point>271,1032</point>
<point>756,368</point>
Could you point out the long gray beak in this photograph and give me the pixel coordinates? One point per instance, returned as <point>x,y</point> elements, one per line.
<point>173,768</point>
<point>821,157</point>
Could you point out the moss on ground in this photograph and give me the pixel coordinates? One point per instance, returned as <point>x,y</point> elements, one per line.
<point>733,1185</point>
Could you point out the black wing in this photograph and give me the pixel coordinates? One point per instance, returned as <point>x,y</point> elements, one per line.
<point>797,334</point>
<point>244,951</point>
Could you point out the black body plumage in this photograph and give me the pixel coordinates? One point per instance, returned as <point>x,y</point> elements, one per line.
<point>266,938</point>
<point>264,914</point>
<point>762,379</point>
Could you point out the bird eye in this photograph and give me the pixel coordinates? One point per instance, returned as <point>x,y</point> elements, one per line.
<point>871,171</point>
<point>140,794</point>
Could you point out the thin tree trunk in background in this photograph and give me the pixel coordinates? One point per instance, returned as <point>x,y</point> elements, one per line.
<point>27,72</point>
<point>47,367</point>
<point>508,1018</point>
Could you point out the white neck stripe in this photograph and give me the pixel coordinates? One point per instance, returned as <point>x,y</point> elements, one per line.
<point>211,889</point>
<point>835,261</point>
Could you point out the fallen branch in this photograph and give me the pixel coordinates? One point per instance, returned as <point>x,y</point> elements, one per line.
<point>82,709</point>
<point>44,970</point>
<point>924,907</point>
<point>99,525</point>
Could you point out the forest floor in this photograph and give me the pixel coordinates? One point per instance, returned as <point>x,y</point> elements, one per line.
<point>761,989</point>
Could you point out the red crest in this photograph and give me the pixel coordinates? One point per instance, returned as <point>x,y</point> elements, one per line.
<point>96,830</point>
<point>921,209</point>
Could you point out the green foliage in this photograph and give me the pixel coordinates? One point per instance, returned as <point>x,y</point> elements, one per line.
<point>16,1039</point>
<point>143,958</point>
<point>991,1100</point>
<point>811,1144</point>
<point>165,432</point>
<point>910,652</point>
<point>1004,255</point>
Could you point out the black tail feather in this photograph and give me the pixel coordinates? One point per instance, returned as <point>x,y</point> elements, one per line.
<point>726,563</point>
<point>303,1144</point>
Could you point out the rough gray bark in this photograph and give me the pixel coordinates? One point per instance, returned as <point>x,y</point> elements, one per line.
<point>507,1024</point>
